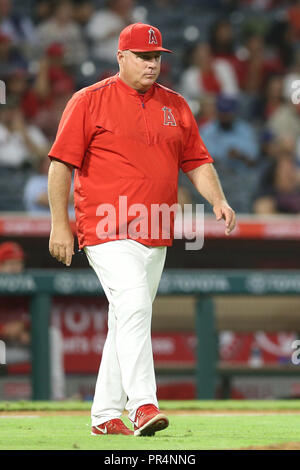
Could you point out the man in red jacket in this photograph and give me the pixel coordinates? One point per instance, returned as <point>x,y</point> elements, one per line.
<point>127,138</point>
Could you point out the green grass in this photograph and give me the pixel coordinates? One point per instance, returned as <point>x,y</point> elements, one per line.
<point>190,432</point>
<point>184,433</point>
<point>166,405</point>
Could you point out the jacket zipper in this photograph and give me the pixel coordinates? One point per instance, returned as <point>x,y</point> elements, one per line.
<point>145,121</point>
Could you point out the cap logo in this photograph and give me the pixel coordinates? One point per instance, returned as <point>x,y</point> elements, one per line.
<point>152,37</point>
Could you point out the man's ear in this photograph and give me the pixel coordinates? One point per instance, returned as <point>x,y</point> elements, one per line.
<point>120,56</point>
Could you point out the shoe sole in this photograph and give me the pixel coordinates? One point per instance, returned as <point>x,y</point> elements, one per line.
<point>158,423</point>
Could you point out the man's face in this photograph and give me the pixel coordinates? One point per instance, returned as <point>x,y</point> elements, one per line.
<point>139,69</point>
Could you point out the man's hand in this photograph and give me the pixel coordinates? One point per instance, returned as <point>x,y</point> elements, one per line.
<point>222,210</point>
<point>61,244</point>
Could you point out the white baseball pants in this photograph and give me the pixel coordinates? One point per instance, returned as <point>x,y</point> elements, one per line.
<point>129,273</point>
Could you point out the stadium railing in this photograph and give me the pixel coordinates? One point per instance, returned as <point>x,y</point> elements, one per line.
<point>42,285</point>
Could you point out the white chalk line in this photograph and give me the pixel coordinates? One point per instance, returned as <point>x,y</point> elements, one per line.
<point>18,416</point>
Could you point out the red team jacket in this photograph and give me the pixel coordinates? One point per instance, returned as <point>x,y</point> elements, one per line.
<point>126,144</point>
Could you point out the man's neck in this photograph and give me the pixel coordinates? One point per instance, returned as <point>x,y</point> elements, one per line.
<point>139,90</point>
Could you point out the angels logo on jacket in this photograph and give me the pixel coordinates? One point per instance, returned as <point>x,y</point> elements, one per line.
<point>152,37</point>
<point>169,119</point>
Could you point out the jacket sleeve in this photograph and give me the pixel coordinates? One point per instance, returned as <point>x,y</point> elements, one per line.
<point>74,132</point>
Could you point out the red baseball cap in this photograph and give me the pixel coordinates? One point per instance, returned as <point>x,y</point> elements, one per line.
<point>10,250</point>
<point>140,37</point>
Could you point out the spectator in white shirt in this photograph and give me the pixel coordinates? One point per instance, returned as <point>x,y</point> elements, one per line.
<point>207,74</point>
<point>105,26</point>
<point>20,144</point>
<point>61,28</point>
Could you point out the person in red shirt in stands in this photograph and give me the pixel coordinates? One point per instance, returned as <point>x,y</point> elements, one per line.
<point>15,323</point>
<point>52,79</point>
<point>12,259</point>
<point>223,47</point>
<point>208,74</point>
<point>127,137</point>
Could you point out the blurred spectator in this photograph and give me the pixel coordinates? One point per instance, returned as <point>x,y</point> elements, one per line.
<point>293,74</point>
<point>272,97</point>
<point>207,75</point>
<point>18,28</point>
<point>53,83</point>
<point>48,118</point>
<point>15,329</point>
<point>294,19</point>
<point>207,111</point>
<point>83,11</point>
<point>20,144</point>
<point>269,148</point>
<point>11,258</point>
<point>43,10</point>
<point>53,87</point>
<point>259,64</point>
<point>105,26</point>
<point>18,88</point>
<point>53,75</point>
<point>167,3</point>
<point>17,83</point>
<point>234,147</point>
<point>36,191</point>
<point>285,121</point>
<point>279,190</point>
<point>257,4</point>
<point>283,40</point>
<point>10,58</point>
<point>228,138</point>
<point>61,28</point>
<point>222,46</point>
<point>165,76</point>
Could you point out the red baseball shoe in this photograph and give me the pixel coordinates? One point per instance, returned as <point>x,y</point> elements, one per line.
<point>149,420</point>
<point>113,426</point>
